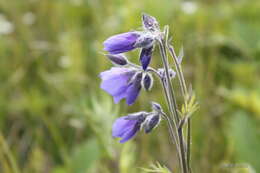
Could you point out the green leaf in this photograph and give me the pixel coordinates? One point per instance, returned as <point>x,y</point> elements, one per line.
<point>85,156</point>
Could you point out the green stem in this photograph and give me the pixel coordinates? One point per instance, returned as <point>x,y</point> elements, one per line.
<point>173,106</point>
<point>168,81</point>
<point>168,103</point>
<point>185,94</point>
<point>182,149</point>
<point>189,145</point>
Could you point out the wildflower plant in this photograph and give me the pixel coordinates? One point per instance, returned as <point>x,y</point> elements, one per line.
<point>126,80</point>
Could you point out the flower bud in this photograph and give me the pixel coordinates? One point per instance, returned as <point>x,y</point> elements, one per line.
<point>156,107</point>
<point>117,59</point>
<point>147,81</point>
<point>150,23</point>
<point>145,57</point>
<point>161,72</point>
<point>151,122</point>
<point>120,43</point>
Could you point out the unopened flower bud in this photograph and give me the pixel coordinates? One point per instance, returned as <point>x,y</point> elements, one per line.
<point>117,59</point>
<point>145,57</point>
<point>150,23</point>
<point>120,43</point>
<point>151,122</point>
<point>161,72</point>
<point>147,81</point>
<point>156,107</point>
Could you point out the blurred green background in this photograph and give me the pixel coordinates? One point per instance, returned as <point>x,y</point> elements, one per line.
<point>54,118</point>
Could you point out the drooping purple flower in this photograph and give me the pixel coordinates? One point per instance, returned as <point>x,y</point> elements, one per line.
<point>126,127</point>
<point>122,83</point>
<point>121,42</point>
<point>145,57</point>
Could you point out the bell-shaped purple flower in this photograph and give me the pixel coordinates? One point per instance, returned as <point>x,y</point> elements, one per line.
<point>126,127</point>
<point>145,57</point>
<point>121,42</point>
<point>122,83</point>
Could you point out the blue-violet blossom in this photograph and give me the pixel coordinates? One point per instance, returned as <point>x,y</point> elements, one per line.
<point>121,82</point>
<point>126,127</point>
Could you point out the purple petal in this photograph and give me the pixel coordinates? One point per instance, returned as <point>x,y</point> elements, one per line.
<point>115,81</point>
<point>134,89</point>
<point>121,42</point>
<point>114,71</point>
<point>145,56</point>
<point>121,125</point>
<point>116,85</point>
<point>120,95</point>
<point>130,133</point>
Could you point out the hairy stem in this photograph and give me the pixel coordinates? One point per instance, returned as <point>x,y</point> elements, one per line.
<point>168,81</point>
<point>173,105</point>
<point>182,149</point>
<point>189,145</point>
<point>185,94</point>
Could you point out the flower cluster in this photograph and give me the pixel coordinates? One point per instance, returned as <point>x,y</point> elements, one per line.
<point>125,80</point>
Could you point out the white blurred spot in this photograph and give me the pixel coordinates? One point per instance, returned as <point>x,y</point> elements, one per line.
<point>6,27</point>
<point>189,7</point>
<point>65,61</point>
<point>28,18</point>
<point>41,45</point>
<point>76,123</point>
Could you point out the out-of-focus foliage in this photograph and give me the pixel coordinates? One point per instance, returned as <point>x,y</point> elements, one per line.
<point>55,118</point>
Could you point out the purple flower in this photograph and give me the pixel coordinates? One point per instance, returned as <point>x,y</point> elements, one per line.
<point>121,42</point>
<point>126,127</point>
<point>145,57</point>
<point>122,83</point>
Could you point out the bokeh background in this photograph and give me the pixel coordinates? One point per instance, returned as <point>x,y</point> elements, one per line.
<point>54,118</point>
